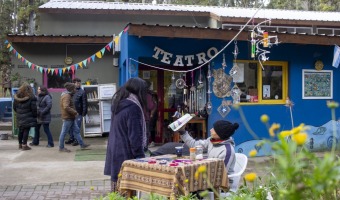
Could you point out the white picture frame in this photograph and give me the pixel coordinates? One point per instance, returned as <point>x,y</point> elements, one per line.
<point>317,84</point>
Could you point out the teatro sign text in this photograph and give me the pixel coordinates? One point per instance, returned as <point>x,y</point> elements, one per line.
<point>183,60</point>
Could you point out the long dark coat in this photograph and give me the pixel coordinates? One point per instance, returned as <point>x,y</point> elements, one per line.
<point>26,111</point>
<point>44,104</point>
<point>125,138</point>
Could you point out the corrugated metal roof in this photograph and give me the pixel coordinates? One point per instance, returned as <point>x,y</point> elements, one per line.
<point>219,11</point>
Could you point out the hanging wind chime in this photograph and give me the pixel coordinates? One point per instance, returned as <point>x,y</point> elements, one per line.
<point>235,91</point>
<point>264,41</point>
<point>209,104</point>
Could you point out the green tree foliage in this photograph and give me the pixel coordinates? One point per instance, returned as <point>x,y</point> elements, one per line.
<point>312,5</point>
<point>6,26</point>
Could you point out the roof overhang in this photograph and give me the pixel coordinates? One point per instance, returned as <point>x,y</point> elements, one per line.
<point>59,39</point>
<point>143,30</point>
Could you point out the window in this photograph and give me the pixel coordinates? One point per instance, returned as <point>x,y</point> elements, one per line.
<point>54,81</point>
<point>265,86</point>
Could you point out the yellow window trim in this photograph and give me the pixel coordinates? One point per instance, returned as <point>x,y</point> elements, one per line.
<point>284,65</point>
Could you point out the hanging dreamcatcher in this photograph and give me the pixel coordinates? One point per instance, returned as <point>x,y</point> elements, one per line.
<point>209,104</point>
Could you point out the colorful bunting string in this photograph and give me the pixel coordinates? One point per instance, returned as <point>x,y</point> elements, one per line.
<point>59,71</point>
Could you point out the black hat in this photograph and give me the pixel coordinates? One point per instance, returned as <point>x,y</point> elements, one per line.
<point>225,129</point>
<point>69,86</point>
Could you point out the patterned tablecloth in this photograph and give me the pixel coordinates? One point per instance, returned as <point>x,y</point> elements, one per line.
<point>171,181</point>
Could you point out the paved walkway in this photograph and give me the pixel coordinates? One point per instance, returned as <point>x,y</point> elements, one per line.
<point>45,173</point>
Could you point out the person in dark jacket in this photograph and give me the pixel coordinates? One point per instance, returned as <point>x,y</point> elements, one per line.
<point>44,105</point>
<point>127,137</point>
<point>80,103</point>
<point>25,106</point>
<point>68,115</point>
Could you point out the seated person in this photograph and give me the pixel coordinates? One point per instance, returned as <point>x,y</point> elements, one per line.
<point>220,144</point>
<point>169,148</point>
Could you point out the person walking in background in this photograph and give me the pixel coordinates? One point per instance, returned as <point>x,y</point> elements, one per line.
<point>44,105</point>
<point>25,106</point>
<point>127,138</point>
<point>153,120</point>
<point>68,115</point>
<point>149,110</point>
<point>80,103</point>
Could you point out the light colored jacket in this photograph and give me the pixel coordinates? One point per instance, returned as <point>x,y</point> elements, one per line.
<point>223,150</point>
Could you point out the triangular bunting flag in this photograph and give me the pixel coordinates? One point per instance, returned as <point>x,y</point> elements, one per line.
<point>40,69</point>
<point>37,68</point>
<point>6,41</point>
<point>81,64</point>
<point>75,66</point>
<point>23,59</point>
<point>19,56</point>
<point>69,67</point>
<point>10,49</point>
<point>60,72</point>
<point>64,69</point>
<point>89,59</point>
<point>72,68</point>
<point>45,69</point>
<point>103,51</point>
<point>52,71</point>
<point>93,57</point>
<point>48,70</point>
<point>56,72</point>
<point>29,64</point>
<point>33,66</point>
<point>110,44</point>
<point>99,54</point>
<point>108,47</point>
<point>15,52</point>
<point>84,62</point>
<point>9,45</point>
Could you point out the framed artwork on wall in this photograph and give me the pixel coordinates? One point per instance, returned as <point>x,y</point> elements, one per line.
<point>317,84</point>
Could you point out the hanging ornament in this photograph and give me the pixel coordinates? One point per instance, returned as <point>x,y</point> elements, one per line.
<point>172,87</point>
<point>200,80</point>
<point>235,94</point>
<point>209,104</point>
<point>192,95</point>
<point>235,68</point>
<point>257,45</point>
<point>221,84</point>
<point>180,83</point>
<point>224,64</point>
<point>224,108</point>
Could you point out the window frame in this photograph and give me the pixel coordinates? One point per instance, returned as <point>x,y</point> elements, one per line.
<point>284,65</point>
<point>45,83</point>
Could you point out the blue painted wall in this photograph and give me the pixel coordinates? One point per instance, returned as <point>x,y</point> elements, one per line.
<point>299,57</point>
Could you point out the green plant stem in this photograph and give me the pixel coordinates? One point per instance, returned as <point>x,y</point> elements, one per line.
<point>334,132</point>
<point>217,193</point>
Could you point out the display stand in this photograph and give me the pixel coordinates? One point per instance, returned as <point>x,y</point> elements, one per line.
<point>98,118</point>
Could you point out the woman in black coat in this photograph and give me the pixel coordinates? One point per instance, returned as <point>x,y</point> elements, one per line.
<point>44,105</point>
<point>127,138</point>
<point>25,106</point>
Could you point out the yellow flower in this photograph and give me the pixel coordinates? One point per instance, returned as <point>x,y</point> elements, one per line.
<point>252,153</point>
<point>176,184</point>
<point>202,169</point>
<point>186,180</point>
<point>300,138</point>
<point>264,118</point>
<point>250,177</point>
<point>332,104</point>
<point>119,175</point>
<point>91,188</point>
<point>273,128</point>
<point>285,133</point>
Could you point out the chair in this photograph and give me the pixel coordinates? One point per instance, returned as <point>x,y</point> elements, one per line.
<point>241,162</point>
